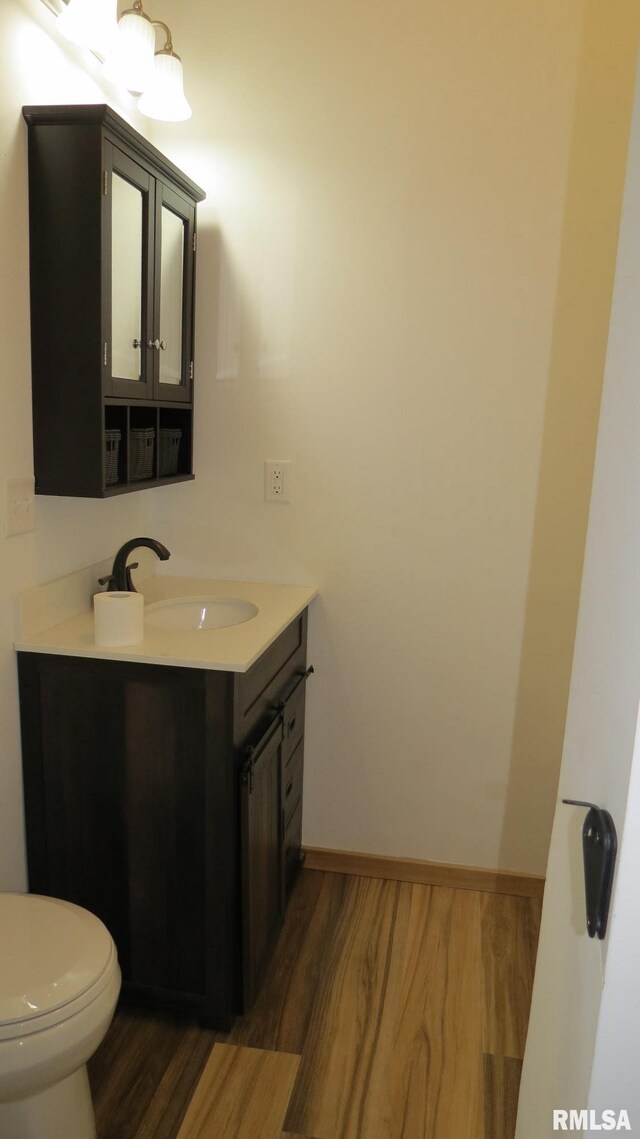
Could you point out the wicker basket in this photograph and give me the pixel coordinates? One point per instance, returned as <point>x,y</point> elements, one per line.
<point>169,448</point>
<point>141,446</point>
<point>112,439</point>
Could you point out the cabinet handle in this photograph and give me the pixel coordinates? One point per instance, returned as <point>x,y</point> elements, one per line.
<point>137,344</point>
<point>246,771</point>
<point>301,677</point>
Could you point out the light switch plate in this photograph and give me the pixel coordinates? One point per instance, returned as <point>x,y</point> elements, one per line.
<point>19,506</point>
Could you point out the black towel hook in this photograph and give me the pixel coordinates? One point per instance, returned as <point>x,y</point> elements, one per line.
<point>599,848</point>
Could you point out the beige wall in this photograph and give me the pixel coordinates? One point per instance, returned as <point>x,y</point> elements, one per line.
<point>35,69</point>
<point>584,1030</point>
<point>609,48</point>
<point>381,256</point>
<point>387,244</point>
<point>387,194</point>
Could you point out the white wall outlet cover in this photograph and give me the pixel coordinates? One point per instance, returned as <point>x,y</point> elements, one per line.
<point>277,480</point>
<point>19,506</point>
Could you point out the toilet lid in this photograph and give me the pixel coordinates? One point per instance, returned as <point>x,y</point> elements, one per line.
<point>50,953</point>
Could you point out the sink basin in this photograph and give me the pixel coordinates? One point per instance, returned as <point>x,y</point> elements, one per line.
<point>184,614</point>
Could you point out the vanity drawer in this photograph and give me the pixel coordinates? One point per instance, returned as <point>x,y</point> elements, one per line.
<point>292,844</point>
<point>292,782</point>
<point>293,723</point>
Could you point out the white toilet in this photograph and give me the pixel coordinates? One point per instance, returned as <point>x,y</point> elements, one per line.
<point>59,983</point>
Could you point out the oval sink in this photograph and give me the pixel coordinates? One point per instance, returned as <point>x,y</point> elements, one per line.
<point>192,613</point>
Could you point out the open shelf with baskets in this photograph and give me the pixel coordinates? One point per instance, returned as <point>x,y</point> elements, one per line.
<point>145,446</point>
<point>175,442</point>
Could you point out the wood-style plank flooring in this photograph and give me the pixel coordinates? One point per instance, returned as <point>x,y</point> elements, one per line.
<point>390,1011</point>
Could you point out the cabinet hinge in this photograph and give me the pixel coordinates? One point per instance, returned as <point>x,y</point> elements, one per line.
<point>105,183</point>
<point>191,371</point>
<point>194,243</point>
<point>105,354</point>
<point>246,771</point>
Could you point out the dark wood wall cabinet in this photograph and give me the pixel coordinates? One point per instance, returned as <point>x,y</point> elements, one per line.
<point>112,226</point>
<point>169,802</point>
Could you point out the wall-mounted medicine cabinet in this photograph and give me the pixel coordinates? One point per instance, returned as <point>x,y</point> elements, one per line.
<point>112,260</point>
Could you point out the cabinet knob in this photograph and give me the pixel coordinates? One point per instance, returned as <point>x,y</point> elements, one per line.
<point>137,344</point>
<point>163,344</point>
<point>158,344</point>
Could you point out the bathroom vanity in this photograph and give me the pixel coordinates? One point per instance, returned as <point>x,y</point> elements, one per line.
<point>163,790</point>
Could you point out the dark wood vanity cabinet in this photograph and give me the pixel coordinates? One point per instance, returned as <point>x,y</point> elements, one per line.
<point>162,799</point>
<point>112,226</point>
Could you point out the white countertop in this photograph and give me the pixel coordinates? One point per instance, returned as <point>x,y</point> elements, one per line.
<point>231,649</point>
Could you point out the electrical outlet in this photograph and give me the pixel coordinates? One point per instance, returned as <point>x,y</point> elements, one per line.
<point>19,506</point>
<point>277,480</point>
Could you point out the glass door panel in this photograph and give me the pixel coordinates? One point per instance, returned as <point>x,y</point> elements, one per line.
<point>171,298</point>
<point>174,260</point>
<point>127,277</point>
<point>127,259</point>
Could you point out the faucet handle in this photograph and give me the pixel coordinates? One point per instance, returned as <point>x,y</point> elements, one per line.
<point>130,586</point>
<point>109,581</point>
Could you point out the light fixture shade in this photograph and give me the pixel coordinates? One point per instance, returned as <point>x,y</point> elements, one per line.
<point>164,98</point>
<point>90,23</point>
<point>131,61</point>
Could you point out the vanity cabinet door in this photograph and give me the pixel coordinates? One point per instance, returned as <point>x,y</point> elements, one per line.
<point>115,804</point>
<point>261,847</point>
<point>165,789</point>
<point>75,789</point>
<point>129,354</point>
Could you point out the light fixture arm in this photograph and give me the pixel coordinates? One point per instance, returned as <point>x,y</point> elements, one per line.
<point>168,47</point>
<point>137,10</point>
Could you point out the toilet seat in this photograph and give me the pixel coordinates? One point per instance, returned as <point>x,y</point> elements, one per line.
<point>55,959</point>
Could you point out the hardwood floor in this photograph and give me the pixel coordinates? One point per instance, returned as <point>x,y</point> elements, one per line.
<point>390,1010</point>
<point>243,1092</point>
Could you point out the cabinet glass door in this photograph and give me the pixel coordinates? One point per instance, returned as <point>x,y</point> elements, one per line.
<point>174,295</point>
<point>171,297</point>
<point>126,278</point>
<point>128,322</point>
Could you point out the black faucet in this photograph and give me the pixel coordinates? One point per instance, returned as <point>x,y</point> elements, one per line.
<point>120,576</point>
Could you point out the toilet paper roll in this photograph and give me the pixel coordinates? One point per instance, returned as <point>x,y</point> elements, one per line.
<point>118,619</point>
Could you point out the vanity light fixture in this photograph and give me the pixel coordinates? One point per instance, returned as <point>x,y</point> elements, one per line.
<point>91,24</point>
<point>130,63</point>
<point>164,98</point>
<point>127,48</point>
